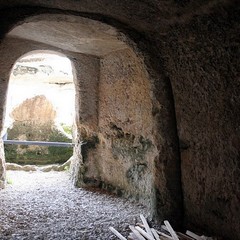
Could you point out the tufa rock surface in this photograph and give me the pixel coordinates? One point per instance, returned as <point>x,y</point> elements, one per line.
<point>34,121</point>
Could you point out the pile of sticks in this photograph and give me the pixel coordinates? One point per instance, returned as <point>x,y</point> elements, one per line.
<point>142,231</point>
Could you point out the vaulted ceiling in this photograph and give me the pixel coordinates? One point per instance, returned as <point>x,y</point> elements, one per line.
<point>71,33</point>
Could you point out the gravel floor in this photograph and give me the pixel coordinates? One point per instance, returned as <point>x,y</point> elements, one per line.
<point>42,205</point>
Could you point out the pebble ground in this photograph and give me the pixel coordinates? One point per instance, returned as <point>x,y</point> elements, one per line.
<point>39,205</point>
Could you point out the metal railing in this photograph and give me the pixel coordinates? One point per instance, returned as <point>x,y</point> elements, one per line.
<point>39,143</point>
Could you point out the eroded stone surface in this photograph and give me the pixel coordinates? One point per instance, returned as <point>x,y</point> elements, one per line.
<point>32,168</point>
<point>2,167</point>
<point>119,153</point>
<point>34,120</point>
<point>202,62</point>
<point>38,110</point>
<point>87,36</point>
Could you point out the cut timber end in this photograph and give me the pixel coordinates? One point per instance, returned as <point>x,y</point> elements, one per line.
<point>171,231</point>
<point>155,234</point>
<point>148,230</point>
<point>137,234</point>
<point>193,235</point>
<point>184,236</point>
<point>164,235</point>
<point>145,234</point>
<point>119,235</point>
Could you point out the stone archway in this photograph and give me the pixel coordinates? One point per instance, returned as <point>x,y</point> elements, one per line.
<point>40,107</point>
<point>139,133</point>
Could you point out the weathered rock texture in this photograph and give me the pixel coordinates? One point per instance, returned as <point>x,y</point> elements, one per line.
<point>37,110</point>
<point>86,85</point>
<point>34,121</point>
<point>119,156</point>
<point>190,50</point>
<point>114,119</point>
<point>202,60</point>
<point>2,168</point>
<point>32,168</point>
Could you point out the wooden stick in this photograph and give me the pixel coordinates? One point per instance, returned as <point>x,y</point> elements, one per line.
<point>164,235</point>
<point>148,230</point>
<point>170,229</point>
<point>164,227</point>
<point>145,234</point>
<point>140,225</point>
<point>138,235</point>
<point>193,235</point>
<point>132,236</point>
<point>184,236</point>
<point>119,235</point>
<point>155,234</point>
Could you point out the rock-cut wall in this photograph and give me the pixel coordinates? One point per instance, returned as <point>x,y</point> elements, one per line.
<point>2,168</point>
<point>202,61</point>
<point>119,153</point>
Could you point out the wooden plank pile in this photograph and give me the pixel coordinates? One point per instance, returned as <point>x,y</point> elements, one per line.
<point>142,231</point>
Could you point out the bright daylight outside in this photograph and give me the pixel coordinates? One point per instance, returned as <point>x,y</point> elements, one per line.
<point>40,107</point>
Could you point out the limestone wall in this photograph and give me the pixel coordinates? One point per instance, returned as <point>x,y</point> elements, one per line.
<point>86,106</point>
<point>119,156</point>
<point>128,136</point>
<point>2,167</point>
<point>202,62</point>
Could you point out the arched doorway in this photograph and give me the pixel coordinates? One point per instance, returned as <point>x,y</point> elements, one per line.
<point>40,107</point>
<point>120,127</point>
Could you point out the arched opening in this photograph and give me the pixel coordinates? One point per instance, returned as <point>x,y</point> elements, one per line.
<point>118,110</point>
<point>39,112</point>
<point>113,114</point>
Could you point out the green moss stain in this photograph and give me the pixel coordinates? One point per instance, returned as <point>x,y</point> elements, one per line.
<point>130,147</point>
<point>91,143</point>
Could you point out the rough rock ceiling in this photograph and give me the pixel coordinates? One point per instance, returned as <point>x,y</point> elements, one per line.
<point>71,33</point>
<point>145,16</point>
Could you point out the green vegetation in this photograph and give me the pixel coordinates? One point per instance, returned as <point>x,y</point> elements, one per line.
<point>9,180</point>
<point>67,129</point>
<point>66,168</point>
<point>37,155</point>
